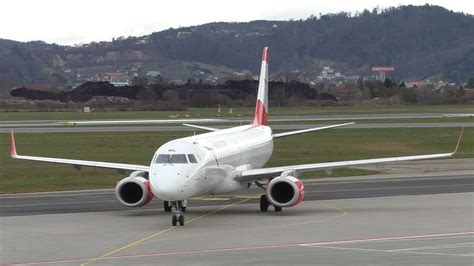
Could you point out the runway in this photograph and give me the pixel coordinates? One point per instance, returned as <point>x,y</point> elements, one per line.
<point>331,188</point>
<point>141,125</point>
<point>85,129</point>
<point>403,219</point>
<point>273,118</point>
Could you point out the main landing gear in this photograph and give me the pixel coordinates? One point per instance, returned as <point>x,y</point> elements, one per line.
<point>264,204</point>
<point>177,207</point>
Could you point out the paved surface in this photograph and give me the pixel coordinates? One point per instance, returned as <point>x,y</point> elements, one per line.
<point>430,167</point>
<point>405,218</point>
<point>435,229</point>
<point>48,123</point>
<point>184,128</point>
<point>369,187</point>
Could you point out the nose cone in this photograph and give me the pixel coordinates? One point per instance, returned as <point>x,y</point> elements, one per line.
<point>165,190</point>
<point>169,184</point>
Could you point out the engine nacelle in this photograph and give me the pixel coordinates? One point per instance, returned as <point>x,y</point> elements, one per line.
<point>134,191</point>
<point>285,191</point>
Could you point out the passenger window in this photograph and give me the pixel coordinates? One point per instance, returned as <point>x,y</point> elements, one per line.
<point>178,158</point>
<point>191,158</point>
<point>163,158</point>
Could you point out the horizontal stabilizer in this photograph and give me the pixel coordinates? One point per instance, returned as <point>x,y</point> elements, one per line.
<point>286,134</point>
<point>201,127</point>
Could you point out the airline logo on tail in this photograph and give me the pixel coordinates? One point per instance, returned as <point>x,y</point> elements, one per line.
<point>261,109</point>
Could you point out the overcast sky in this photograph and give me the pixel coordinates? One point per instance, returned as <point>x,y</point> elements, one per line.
<point>70,22</point>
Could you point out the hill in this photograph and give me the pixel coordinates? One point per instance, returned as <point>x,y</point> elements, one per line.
<point>419,41</point>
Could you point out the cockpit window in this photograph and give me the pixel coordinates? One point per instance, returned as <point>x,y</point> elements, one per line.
<point>178,158</point>
<point>163,158</point>
<point>172,158</point>
<point>192,159</point>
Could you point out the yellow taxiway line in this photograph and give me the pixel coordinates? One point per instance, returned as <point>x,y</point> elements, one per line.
<point>141,241</point>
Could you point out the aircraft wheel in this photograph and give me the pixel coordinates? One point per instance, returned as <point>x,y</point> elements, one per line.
<point>174,220</point>
<point>181,220</point>
<point>278,209</point>
<point>166,206</point>
<point>264,203</point>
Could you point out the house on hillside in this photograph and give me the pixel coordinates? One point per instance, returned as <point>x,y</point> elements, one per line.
<point>118,79</point>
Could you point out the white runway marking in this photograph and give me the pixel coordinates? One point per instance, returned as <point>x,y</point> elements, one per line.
<point>438,246</point>
<point>387,239</point>
<point>394,251</point>
<point>414,250</point>
<point>323,244</point>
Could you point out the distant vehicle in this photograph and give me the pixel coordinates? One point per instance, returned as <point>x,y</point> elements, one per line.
<point>220,161</point>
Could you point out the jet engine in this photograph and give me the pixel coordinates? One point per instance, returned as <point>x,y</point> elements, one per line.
<point>135,190</point>
<point>285,190</point>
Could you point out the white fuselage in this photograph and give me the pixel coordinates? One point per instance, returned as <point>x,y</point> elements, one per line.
<point>220,156</point>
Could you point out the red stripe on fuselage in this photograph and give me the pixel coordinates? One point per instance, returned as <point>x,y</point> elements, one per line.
<point>261,116</point>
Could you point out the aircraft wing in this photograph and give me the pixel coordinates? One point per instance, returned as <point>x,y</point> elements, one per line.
<point>76,163</point>
<point>262,173</point>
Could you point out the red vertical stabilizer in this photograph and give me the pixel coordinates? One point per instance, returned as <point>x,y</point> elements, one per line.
<point>261,108</point>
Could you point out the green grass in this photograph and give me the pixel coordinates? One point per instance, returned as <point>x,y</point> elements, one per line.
<point>377,121</point>
<point>316,123</point>
<point>338,173</point>
<point>138,147</point>
<point>249,111</point>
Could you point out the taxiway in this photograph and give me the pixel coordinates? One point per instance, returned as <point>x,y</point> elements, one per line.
<point>419,219</point>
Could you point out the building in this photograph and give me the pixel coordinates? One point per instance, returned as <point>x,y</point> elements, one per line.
<point>415,83</point>
<point>118,79</point>
<point>382,70</point>
<point>153,74</point>
<point>329,74</point>
<point>183,34</point>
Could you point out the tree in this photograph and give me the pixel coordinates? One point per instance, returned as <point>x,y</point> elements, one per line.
<point>408,95</point>
<point>279,96</point>
<point>170,95</point>
<point>140,81</point>
<point>158,80</point>
<point>146,93</point>
<point>470,82</point>
<point>388,83</point>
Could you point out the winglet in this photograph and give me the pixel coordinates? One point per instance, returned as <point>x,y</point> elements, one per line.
<point>12,145</point>
<point>459,141</point>
<point>265,54</point>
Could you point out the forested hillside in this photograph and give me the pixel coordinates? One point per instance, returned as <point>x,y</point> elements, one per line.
<point>419,41</point>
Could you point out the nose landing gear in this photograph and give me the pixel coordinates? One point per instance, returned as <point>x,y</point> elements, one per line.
<point>178,207</point>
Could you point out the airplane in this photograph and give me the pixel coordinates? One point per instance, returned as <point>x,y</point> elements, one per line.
<point>219,161</point>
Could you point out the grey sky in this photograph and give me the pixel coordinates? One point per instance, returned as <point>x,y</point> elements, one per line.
<point>69,22</point>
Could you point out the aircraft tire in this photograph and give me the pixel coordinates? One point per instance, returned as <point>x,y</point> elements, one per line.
<point>174,220</point>
<point>264,203</point>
